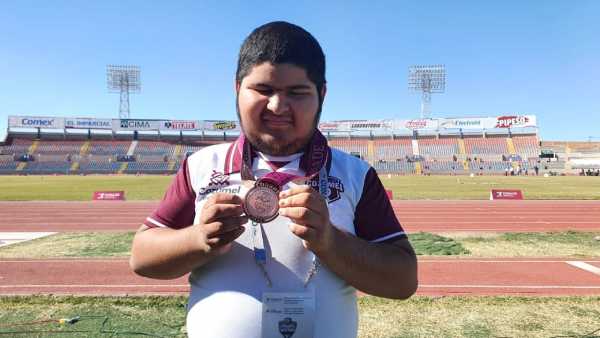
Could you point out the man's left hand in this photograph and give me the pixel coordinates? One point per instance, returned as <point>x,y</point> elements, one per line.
<point>308,211</point>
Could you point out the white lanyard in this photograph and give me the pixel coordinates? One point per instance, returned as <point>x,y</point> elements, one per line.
<point>260,254</point>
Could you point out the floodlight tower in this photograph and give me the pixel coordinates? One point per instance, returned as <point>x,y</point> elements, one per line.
<point>427,79</point>
<point>123,79</point>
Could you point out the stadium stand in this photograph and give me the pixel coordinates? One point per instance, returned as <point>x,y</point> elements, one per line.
<point>526,145</point>
<point>395,167</point>
<point>352,146</point>
<point>100,165</point>
<point>147,167</point>
<point>105,147</point>
<point>59,147</point>
<point>152,148</point>
<point>393,149</point>
<point>439,147</point>
<point>436,167</point>
<point>480,146</point>
<point>430,152</point>
<point>584,147</point>
<point>436,155</point>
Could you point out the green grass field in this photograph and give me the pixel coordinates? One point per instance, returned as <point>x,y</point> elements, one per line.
<point>379,318</point>
<point>555,244</point>
<point>80,188</point>
<point>36,316</point>
<point>478,187</point>
<point>72,245</point>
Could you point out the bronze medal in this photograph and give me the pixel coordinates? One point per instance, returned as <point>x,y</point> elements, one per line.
<point>261,204</point>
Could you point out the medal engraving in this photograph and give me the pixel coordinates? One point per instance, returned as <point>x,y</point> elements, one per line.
<point>262,203</point>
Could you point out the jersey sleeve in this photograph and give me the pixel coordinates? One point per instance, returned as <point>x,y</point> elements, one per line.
<point>374,217</point>
<point>177,208</point>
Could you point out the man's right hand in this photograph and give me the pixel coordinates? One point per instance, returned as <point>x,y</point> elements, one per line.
<point>221,222</point>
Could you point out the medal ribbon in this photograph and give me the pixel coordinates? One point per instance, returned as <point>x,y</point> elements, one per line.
<point>314,158</point>
<point>313,162</point>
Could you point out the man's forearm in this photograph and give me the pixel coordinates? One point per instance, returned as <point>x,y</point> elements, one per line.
<point>165,253</point>
<point>380,269</point>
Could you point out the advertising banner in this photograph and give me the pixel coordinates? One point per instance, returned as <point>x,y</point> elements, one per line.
<point>515,121</point>
<point>36,122</point>
<point>463,123</point>
<point>88,123</point>
<point>370,125</point>
<point>109,196</point>
<point>356,125</point>
<point>480,123</point>
<point>212,125</point>
<point>418,124</point>
<point>135,124</point>
<point>506,194</point>
<point>180,125</point>
<point>331,126</point>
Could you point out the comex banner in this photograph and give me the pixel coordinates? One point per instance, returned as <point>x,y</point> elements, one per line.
<point>36,122</point>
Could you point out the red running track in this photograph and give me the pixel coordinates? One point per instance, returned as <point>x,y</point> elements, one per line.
<point>432,216</point>
<point>531,277</point>
<point>437,276</point>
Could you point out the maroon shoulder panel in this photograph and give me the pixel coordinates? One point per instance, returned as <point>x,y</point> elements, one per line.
<point>177,208</point>
<point>374,218</point>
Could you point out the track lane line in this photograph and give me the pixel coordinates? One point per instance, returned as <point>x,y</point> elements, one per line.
<point>585,266</point>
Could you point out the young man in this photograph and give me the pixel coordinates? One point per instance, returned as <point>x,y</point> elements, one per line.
<point>291,273</point>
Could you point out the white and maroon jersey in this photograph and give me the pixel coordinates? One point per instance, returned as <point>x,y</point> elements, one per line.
<point>225,296</point>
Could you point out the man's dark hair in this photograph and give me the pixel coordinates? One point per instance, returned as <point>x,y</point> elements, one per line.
<point>282,42</point>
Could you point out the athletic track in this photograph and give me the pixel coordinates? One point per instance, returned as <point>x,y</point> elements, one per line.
<point>449,276</point>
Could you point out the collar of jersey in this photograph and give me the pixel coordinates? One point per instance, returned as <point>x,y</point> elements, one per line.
<point>260,165</point>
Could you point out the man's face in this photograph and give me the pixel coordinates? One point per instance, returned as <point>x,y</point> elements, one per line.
<point>277,107</point>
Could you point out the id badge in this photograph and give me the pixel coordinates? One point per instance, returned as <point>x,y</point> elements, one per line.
<point>288,314</point>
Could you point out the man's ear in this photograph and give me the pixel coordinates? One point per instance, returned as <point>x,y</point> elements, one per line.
<point>237,86</point>
<point>323,91</point>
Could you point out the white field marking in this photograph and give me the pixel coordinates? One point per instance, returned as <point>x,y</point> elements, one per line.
<point>503,286</point>
<point>449,286</point>
<point>425,260</point>
<point>67,260</point>
<point>413,229</point>
<point>585,266</point>
<point>104,286</point>
<point>8,238</point>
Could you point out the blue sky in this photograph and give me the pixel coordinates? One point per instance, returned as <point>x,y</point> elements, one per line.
<point>525,57</point>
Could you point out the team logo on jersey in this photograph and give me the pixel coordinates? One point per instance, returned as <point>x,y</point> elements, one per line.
<point>217,178</point>
<point>334,185</point>
<point>217,182</point>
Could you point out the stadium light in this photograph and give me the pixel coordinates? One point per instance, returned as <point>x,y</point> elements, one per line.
<point>427,79</point>
<point>124,80</point>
